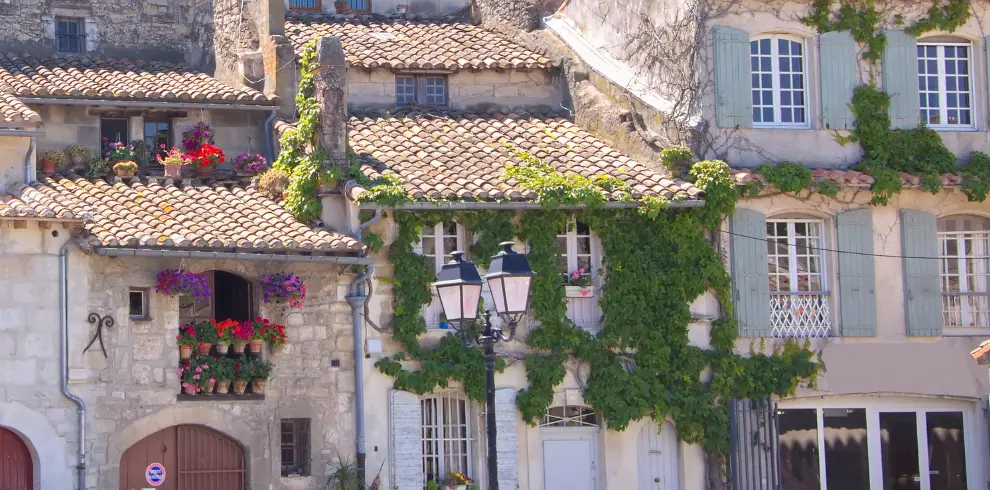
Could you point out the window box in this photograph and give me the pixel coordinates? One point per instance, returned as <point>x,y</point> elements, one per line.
<point>579,291</point>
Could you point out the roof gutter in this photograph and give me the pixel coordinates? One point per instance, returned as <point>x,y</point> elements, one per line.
<point>196,254</point>
<point>22,132</point>
<point>138,103</point>
<point>455,205</point>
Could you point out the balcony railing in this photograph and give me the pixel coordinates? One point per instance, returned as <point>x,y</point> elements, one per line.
<point>968,310</point>
<point>800,314</point>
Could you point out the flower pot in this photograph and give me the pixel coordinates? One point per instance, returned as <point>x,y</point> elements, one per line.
<point>256,345</point>
<point>124,173</point>
<point>190,390</point>
<point>401,9</point>
<point>258,385</point>
<point>460,487</point>
<point>239,386</point>
<point>173,171</point>
<point>185,352</point>
<point>48,167</point>
<point>209,388</point>
<point>204,171</point>
<point>204,348</point>
<point>223,386</point>
<point>78,160</point>
<point>342,8</point>
<point>239,346</point>
<point>579,291</point>
<point>276,349</point>
<point>221,348</point>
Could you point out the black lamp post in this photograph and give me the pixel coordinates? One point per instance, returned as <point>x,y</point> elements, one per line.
<point>459,288</point>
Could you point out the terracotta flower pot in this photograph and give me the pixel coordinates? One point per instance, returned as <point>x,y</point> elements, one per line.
<point>342,8</point>
<point>185,352</point>
<point>204,171</point>
<point>239,386</point>
<point>204,348</point>
<point>48,167</point>
<point>124,173</point>
<point>239,346</point>
<point>173,171</point>
<point>209,388</point>
<point>258,385</point>
<point>190,390</point>
<point>223,386</point>
<point>257,344</point>
<point>276,349</point>
<point>222,348</point>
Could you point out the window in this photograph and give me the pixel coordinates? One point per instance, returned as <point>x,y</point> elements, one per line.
<point>113,130</point>
<point>295,447</point>
<point>777,67</point>
<point>944,85</point>
<point>446,436</point>
<point>570,416</point>
<point>70,34</point>
<point>799,298</point>
<point>575,251</point>
<point>359,5</point>
<point>964,250</point>
<point>231,297</point>
<point>305,5</point>
<point>421,89</point>
<point>157,140</point>
<point>137,301</point>
<point>436,244</point>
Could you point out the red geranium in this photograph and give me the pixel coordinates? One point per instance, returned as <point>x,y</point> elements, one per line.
<point>206,155</point>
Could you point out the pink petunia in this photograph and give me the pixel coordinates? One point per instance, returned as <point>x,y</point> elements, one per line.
<point>199,370</point>
<point>195,376</point>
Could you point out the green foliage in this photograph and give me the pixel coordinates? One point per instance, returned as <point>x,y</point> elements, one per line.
<point>554,189</point>
<point>786,176</point>
<point>491,228</point>
<point>976,177</point>
<point>861,18</point>
<point>715,178</point>
<point>941,17</point>
<point>677,159</point>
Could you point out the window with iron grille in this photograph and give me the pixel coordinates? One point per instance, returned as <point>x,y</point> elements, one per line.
<point>964,250</point>
<point>421,89</point>
<point>70,34</point>
<point>305,4</point>
<point>799,297</point>
<point>446,436</point>
<point>295,447</point>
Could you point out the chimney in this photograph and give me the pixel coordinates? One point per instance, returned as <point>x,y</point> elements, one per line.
<point>279,57</point>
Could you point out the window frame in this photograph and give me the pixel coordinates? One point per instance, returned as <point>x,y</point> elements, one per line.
<point>792,255</point>
<point>153,149</point>
<point>79,37</point>
<point>440,427</point>
<point>317,8</point>
<point>942,91</point>
<point>571,243</point>
<point>420,83</point>
<point>788,307</point>
<point>145,303</point>
<point>974,268</point>
<point>365,9</point>
<point>432,312</point>
<point>775,80</point>
<point>301,446</point>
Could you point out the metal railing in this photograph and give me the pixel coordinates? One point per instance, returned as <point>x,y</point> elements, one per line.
<point>969,310</point>
<point>800,314</point>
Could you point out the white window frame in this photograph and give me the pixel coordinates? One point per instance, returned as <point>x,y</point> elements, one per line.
<point>973,306</point>
<point>943,95</point>
<point>420,88</point>
<point>446,432</point>
<point>571,236</point>
<point>796,324</point>
<point>775,80</point>
<point>432,312</point>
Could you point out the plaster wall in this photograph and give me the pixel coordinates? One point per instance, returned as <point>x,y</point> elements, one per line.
<point>13,150</point>
<point>414,7</point>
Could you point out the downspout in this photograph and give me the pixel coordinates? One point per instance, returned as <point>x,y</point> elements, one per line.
<point>63,269</point>
<point>269,143</point>
<point>357,298</point>
<point>27,161</point>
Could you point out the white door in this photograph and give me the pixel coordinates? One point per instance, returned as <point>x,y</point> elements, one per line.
<point>659,467</point>
<point>569,463</point>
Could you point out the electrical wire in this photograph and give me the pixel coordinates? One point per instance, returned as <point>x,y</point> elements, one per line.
<point>825,249</point>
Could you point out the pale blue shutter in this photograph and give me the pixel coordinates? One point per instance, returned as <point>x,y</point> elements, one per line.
<point>750,276</point>
<point>922,297</point>
<point>406,432</point>
<point>733,87</point>
<point>900,79</point>
<point>986,52</point>
<point>837,52</point>
<point>507,446</point>
<point>857,282</point>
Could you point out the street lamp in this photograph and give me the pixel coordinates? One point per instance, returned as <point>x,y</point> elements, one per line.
<point>459,288</point>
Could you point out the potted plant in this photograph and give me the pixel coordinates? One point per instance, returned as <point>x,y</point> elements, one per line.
<point>97,168</point>
<point>242,332</point>
<point>206,334</point>
<point>249,164</point>
<point>125,168</point>
<point>199,135</point>
<point>342,6</point>
<point>182,282</point>
<point>273,183</point>
<point>579,284</point>
<point>118,152</point>
<point>51,160</point>
<point>196,377</point>
<point>258,334</point>
<point>242,374</point>
<point>225,335</point>
<point>78,155</point>
<point>275,337</point>
<point>457,481</point>
<point>223,372</point>
<point>173,161</point>
<point>206,158</point>
<point>283,288</point>
<point>186,340</point>
<point>260,370</point>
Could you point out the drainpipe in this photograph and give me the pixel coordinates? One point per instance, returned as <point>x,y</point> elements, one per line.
<point>27,161</point>
<point>269,144</point>
<point>63,269</point>
<point>357,298</point>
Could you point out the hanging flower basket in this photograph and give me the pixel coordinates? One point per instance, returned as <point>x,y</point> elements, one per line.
<point>283,288</point>
<point>181,282</point>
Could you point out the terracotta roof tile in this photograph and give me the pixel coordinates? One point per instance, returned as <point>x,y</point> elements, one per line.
<point>13,112</point>
<point>848,178</point>
<point>156,213</point>
<point>444,44</point>
<point>98,78</point>
<point>460,155</point>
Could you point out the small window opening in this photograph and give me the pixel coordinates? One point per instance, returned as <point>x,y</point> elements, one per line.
<point>421,89</point>
<point>70,34</point>
<point>138,303</point>
<point>295,447</point>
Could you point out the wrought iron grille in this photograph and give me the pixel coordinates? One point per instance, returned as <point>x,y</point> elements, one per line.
<point>800,314</point>
<point>753,430</point>
<point>70,35</point>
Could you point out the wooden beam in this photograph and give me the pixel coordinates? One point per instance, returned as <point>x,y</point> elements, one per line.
<point>44,225</point>
<point>20,224</point>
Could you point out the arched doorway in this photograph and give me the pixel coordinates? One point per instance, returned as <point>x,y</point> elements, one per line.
<point>16,467</point>
<point>659,465</point>
<point>194,457</point>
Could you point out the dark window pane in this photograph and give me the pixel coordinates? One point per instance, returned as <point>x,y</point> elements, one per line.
<point>899,451</point>
<point>784,64</point>
<point>798,445</point>
<point>765,63</point>
<point>797,65</point>
<point>785,115</point>
<point>765,46</point>
<point>768,115</point>
<point>757,115</point>
<point>946,450</point>
<point>754,47</point>
<point>795,48</point>
<point>783,46</point>
<point>846,463</point>
<point>136,306</point>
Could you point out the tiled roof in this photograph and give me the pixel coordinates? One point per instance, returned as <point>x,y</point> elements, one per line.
<point>13,112</point>
<point>410,44</point>
<point>156,213</point>
<point>98,78</point>
<point>847,178</point>
<point>460,155</point>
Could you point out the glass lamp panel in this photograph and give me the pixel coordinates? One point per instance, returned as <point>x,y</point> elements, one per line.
<point>516,293</point>
<point>498,294</point>
<point>471,297</point>
<point>450,301</point>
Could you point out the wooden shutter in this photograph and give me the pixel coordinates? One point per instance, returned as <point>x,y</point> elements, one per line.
<point>900,79</point>
<point>922,297</point>
<point>837,52</point>
<point>857,281</point>
<point>733,86</point>
<point>986,52</point>
<point>507,445</point>
<point>750,276</point>
<point>406,419</point>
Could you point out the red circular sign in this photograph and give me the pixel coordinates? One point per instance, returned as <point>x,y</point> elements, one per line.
<point>155,474</point>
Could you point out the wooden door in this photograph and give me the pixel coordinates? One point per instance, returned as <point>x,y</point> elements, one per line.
<point>194,458</point>
<point>16,467</point>
<point>659,467</point>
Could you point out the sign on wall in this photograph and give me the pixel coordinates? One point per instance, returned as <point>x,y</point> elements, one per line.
<point>155,474</point>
